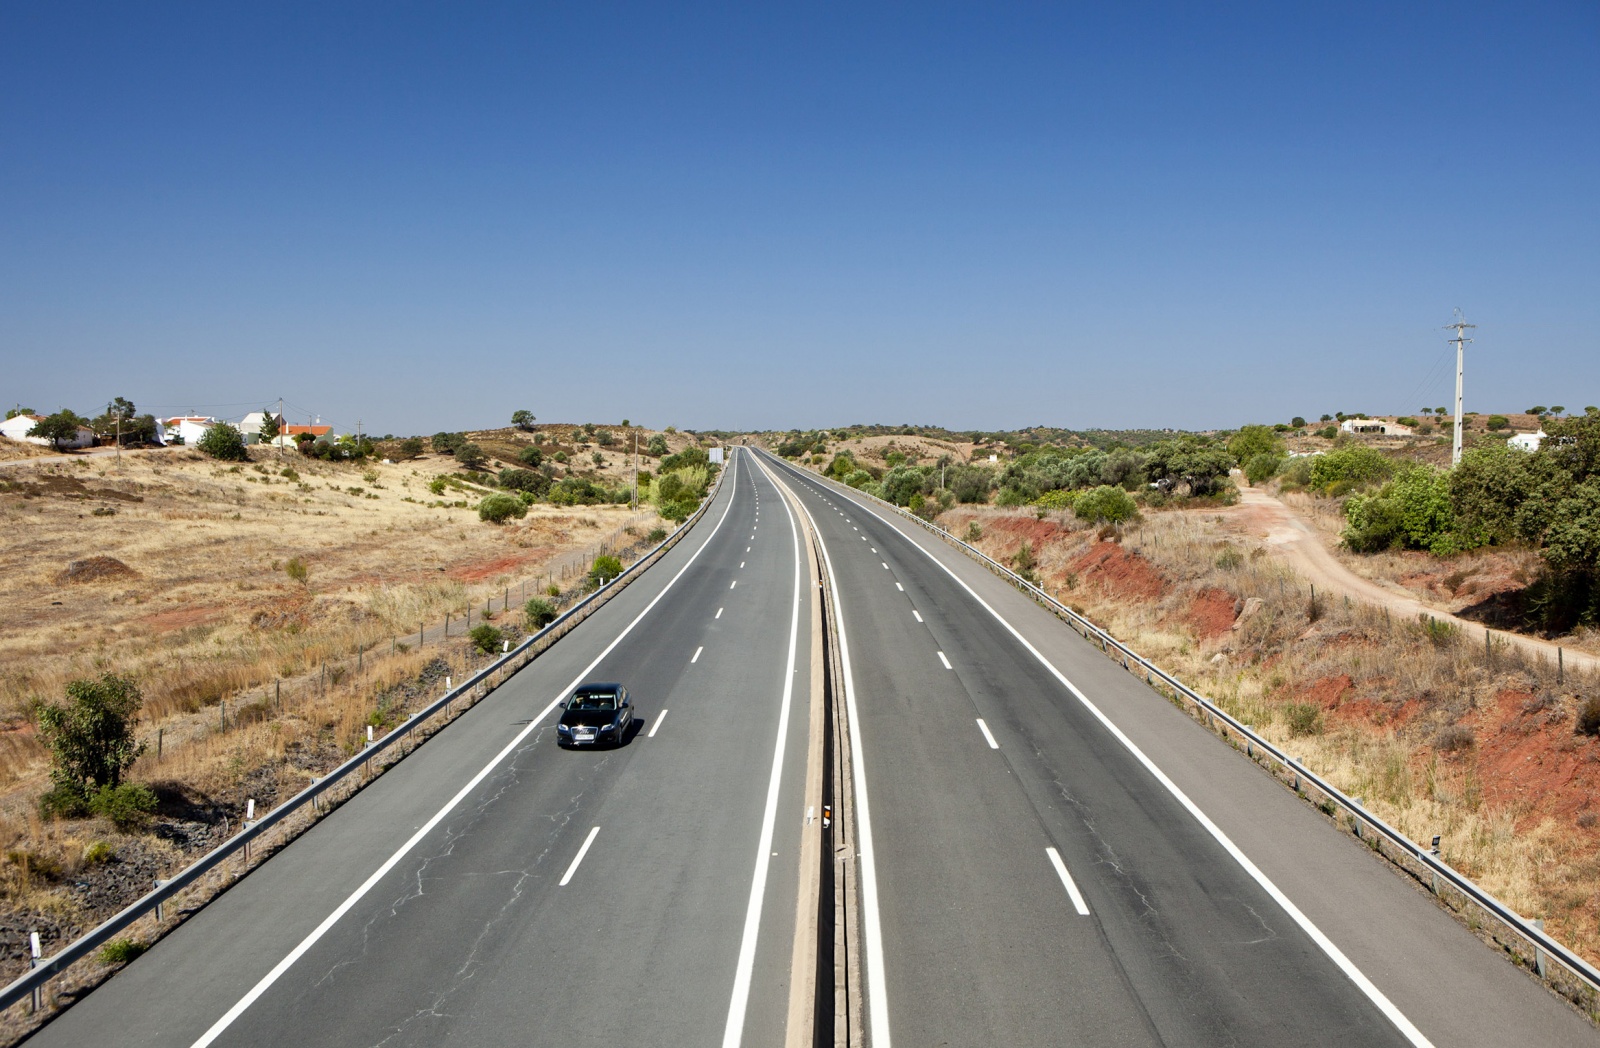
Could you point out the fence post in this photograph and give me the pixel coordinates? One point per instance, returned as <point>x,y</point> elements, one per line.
<point>160,738</point>
<point>223,707</point>
<point>1561,669</point>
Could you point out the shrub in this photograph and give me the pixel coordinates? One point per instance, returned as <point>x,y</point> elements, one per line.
<point>1454,739</point>
<point>437,485</point>
<point>471,456</point>
<point>1328,432</point>
<point>560,456</point>
<point>598,458</point>
<point>604,569</point>
<point>538,613</point>
<point>224,442</point>
<point>1262,467</point>
<point>296,569</point>
<point>446,443</point>
<point>128,805</point>
<point>1303,718</point>
<point>531,456</point>
<point>91,738</point>
<point>1229,558</point>
<point>1498,422</point>
<point>524,480</point>
<point>1297,422</point>
<point>1412,511</point>
<point>1589,717</point>
<point>499,508</point>
<point>486,638</point>
<point>1061,498</point>
<point>409,448</point>
<point>1352,466</point>
<point>974,532</point>
<point>656,445</point>
<point>98,852</point>
<point>1441,632</point>
<point>656,535</point>
<point>120,951</point>
<point>604,438</point>
<point>1406,420</point>
<point>1105,504</point>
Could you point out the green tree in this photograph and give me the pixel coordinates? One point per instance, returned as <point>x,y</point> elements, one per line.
<point>1298,422</point>
<point>1262,467</point>
<point>12,413</point>
<point>91,742</point>
<point>522,419</point>
<point>524,480</point>
<point>446,443</point>
<point>409,448</point>
<point>1251,441</point>
<point>604,438</point>
<point>59,427</point>
<point>531,456</point>
<point>1189,461</point>
<point>269,426</point>
<point>471,456</point>
<point>657,445</point>
<point>222,441</point>
<point>1498,422</point>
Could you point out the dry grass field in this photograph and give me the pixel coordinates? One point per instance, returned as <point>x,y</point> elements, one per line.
<point>269,612</point>
<point>1433,733</point>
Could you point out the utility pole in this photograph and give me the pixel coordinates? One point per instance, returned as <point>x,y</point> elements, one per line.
<point>119,440</point>
<point>1460,340</point>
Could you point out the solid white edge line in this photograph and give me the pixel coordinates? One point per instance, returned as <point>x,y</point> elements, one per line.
<point>945,661</point>
<point>266,981</point>
<point>744,971</point>
<point>867,862</point>
<point>578,858</point>
<point>659,718</point>
<point>1348,967</point>
<point>696,656</point>
<point>1067,882</point>
<point>987,737</point>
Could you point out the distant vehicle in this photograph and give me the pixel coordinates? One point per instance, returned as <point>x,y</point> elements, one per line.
<point>595,713</point>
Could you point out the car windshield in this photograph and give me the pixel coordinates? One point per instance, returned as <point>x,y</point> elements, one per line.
<point>591,700</point>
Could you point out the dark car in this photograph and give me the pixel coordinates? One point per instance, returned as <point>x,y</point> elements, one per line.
<point>595,713</point>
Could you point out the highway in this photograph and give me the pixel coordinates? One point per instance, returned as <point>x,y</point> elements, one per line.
<point>638,895</point>
<point>1049,853</point>
<point>1058,856</point>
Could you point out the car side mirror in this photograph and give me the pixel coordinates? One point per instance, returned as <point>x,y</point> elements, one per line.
<point>624,702</point>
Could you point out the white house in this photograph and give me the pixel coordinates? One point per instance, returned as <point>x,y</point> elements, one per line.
<point>1528,441</point>
<point>1374,427</point>
<point>250,427</point>
<point>17,427</point>
<point>188,428</point>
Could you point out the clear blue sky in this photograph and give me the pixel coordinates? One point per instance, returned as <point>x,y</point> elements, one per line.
<point>978,215</point>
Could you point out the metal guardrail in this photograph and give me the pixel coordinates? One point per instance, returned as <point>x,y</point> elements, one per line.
<point>85,945</point>
<point>1582,986</point>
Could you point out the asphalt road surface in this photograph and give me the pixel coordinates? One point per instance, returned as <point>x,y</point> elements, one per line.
<point>566,897</point>
<point>1060,857</point>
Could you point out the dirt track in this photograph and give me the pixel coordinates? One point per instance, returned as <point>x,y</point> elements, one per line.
<point>1289,537</point>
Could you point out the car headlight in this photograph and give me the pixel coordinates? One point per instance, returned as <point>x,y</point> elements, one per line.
<point>563,729</point>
